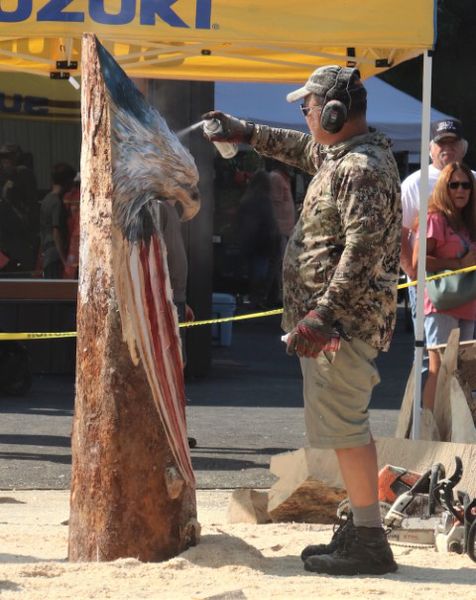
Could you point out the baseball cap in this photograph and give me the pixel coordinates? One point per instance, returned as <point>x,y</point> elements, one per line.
<point>447,128</point>
<point>324,79</point>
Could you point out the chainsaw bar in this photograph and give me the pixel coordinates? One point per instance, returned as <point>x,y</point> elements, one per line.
<point>410,545</point>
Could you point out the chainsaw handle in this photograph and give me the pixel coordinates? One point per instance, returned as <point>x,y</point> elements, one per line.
<point>443,491</point>
<point>471,542</point>
<point>437,471</point>
<point>470,511</point>
<point>458,472</point>
<point>421,485</point>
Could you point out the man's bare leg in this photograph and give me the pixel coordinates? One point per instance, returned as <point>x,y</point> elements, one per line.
<point>359,471</point>
<point>362,546</point>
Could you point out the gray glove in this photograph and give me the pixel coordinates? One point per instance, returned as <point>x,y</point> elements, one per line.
<point>233,129</point>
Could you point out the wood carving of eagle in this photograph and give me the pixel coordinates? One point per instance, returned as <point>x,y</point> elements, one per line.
<point>149,164</point>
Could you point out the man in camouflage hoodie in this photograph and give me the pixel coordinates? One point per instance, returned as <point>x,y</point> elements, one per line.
<point>340,273</point>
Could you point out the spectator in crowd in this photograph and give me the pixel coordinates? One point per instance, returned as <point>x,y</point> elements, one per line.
<point>53,222</point>
<point>18,210</point>
<point>71,202</point>
<point>258,237</point>
<point>447,145</point>
<point>282,199</point>
<point>285,215</point>
<point>451,244</point>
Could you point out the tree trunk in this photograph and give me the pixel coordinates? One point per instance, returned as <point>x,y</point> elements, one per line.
<point>127,497</point>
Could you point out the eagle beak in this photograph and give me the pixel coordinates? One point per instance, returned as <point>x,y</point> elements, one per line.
<point>189,200</point>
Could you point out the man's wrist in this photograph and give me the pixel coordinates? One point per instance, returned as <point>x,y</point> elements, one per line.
<point>326,315</point>
<point>258,135</point>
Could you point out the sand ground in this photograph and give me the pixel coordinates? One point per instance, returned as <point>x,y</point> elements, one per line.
<point>239,561</point>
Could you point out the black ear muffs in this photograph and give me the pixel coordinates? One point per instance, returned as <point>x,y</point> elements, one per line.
<point>333,116</point>
<point>334,112</point>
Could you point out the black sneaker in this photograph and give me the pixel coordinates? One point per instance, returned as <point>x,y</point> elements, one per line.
<point>342,529</point>
<point>365,552</point>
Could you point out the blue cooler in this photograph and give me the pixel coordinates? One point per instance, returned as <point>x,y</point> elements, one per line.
<point>223,306</point>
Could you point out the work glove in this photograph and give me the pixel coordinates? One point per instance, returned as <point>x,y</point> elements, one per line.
<point>312,335</point>
<point>233,129</point>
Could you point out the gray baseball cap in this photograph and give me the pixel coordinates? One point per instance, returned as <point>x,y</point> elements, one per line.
<point>324,79</point>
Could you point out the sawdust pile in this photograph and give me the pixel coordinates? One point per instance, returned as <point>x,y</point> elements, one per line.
<point>238,561</point>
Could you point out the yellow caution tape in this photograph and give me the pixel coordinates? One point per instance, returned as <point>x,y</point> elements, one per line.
<point>37,336</point>
<point>408,284</point>
<point>266,313</point>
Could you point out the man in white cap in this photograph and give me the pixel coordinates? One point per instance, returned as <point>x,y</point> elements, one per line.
<point>340,274</point>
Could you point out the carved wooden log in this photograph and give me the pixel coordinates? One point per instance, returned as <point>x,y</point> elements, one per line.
<point>133,490</point>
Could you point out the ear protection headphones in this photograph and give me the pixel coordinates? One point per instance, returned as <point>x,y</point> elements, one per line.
<point>334,113</point>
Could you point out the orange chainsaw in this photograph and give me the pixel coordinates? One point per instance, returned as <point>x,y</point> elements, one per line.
<point>422,510</point>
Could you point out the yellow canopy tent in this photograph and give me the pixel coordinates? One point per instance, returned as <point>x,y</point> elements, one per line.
<point>241,40</point>
<point>234,40</point>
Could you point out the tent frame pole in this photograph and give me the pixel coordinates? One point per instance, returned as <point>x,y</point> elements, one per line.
<point>424,192</point>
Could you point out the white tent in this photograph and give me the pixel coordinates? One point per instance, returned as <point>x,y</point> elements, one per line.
<point>393,112</point>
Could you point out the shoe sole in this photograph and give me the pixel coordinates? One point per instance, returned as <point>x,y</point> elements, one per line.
<point>325,570</point>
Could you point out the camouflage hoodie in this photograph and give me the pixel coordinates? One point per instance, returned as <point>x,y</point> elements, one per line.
<point>344,254</point>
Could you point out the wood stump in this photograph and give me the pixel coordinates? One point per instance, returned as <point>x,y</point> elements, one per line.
<point>127,497</point>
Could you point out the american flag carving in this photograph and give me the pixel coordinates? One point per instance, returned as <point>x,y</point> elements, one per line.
<point>149,164</point>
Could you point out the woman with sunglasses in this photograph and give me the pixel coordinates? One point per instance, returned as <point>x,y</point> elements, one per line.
<point>451,244</point>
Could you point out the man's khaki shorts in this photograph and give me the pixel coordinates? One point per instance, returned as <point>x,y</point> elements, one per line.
<point>337,388</point>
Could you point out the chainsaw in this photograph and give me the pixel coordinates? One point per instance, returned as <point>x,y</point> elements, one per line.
<point>428,513</point>
<point>456,531</point>
<point>413,515</point>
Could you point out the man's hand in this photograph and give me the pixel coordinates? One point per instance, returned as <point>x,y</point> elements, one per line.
<point>234,130</point>
<point>469,259</point>
<point>406,255</point>
<point>310,336</point>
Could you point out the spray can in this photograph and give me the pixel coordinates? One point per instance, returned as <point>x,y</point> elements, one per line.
<point>226,149</point>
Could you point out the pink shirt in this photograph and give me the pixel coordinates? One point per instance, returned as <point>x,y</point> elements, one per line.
<point>448,245</point>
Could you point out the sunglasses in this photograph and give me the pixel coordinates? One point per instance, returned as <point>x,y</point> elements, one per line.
<point>454,185</point>
<point>307,109</point>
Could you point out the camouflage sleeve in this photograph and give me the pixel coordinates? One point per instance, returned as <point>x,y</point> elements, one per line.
<point>365,201</point>
<point>291,147</point>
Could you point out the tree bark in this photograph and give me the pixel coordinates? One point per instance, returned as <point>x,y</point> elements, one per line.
<point>127,497</point>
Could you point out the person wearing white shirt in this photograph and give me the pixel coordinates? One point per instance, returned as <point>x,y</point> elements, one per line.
<point>447,145</point>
